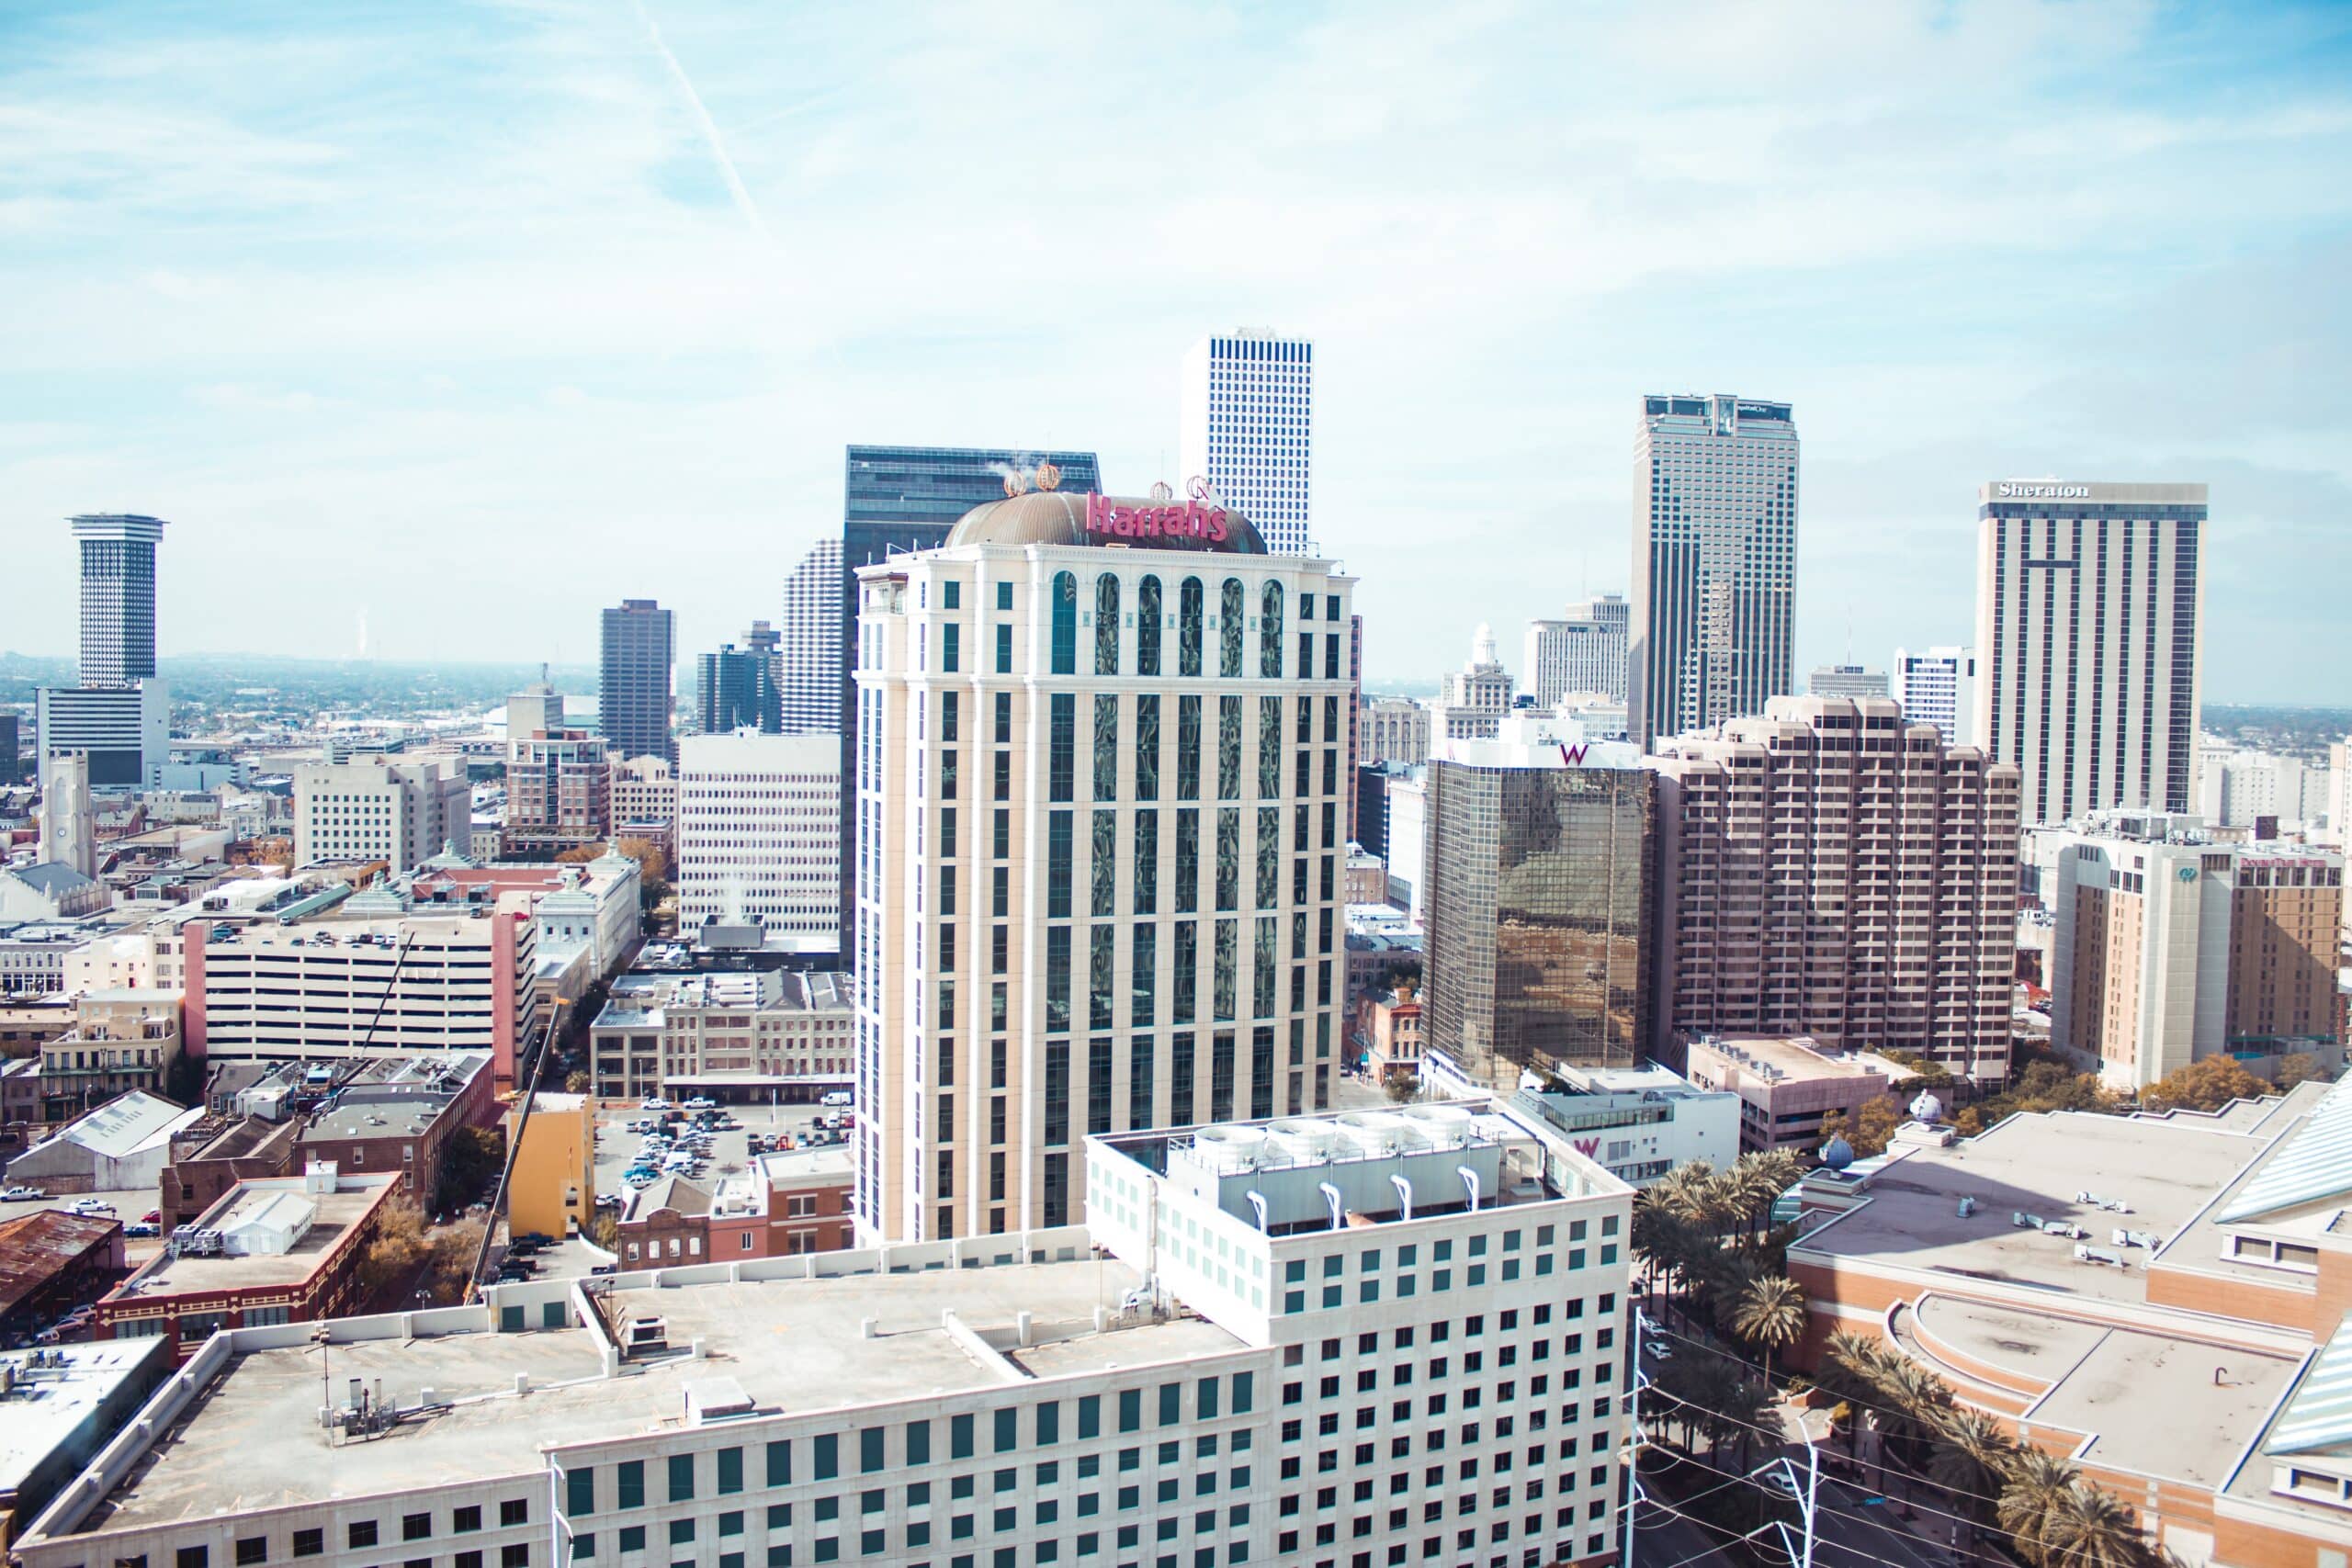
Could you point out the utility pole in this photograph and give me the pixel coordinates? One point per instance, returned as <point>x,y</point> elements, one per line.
<point>1634,1440</point>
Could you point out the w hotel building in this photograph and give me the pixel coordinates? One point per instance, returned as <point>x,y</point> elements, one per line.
<point>2087,626</point>
<point>1101,775</point>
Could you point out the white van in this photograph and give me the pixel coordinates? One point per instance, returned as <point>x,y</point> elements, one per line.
<point>838,1096</point>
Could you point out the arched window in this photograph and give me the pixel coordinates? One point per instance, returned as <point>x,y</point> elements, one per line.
<point>1228,625</point>
<point>1148,613</point>
<point>1270,632</point>
<point>1064,623</point>
<point>1188,627</point>
<point>1107,624</point>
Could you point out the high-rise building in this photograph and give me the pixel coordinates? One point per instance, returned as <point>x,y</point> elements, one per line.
<point>118,597</point>
<point>1471,699</point>
<point>559,791</point>
<point>740,688</point>
<point>759,836</point>
<point>11,765</point>
<point>1827,870</point>
<point>1848,680</point>
<point>1715,562</point>
<point>2238,789</point>
<point>535,710</point>
<point>1393,731</point>
<point>811,641</point>
<point>1582,651</point>
<point>633,699</point>
<point>1246,425</point>
<point>2087,622</point>
<point>386,808</point>
<point>900,499</point>
<point>1539,865</point>
<point>645,803</point>
<point>2171,947</point>
<point>68,831</point>
<point>119,714</point>
<point>1100,798</point>
<point>1938,687</point>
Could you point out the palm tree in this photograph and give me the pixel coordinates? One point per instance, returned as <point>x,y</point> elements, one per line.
<point>1972,1461</point>
<point>2089,1528</point>
<point>1920,1397</point>
<point>1770,1314</point>
<point>1761,1178</point>
<point>2036,1486</point>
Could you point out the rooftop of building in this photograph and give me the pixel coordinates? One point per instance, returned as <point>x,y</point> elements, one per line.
<point>1795,1058</point>
<point>123,1125</point>
<point>332,932</point>
<point>35,1247</point>
<point>1368,1168</point>
<point>641,1001</point>
<point>1651,1082</point>
<point>2171,1175</point>
<point>322,1218</point>
<point>252,1439</point>
<point>51,1393</point>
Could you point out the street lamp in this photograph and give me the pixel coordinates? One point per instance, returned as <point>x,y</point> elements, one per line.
<point>1804,1498</point>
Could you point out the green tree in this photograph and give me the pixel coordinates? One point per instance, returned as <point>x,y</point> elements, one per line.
<point>1769,1315</point>
<point>470,1161</point>
<point>2035,1489</point>
<point>2301,1068</point>
<point>2089,1527</point>
<point>1403,1090</point>
<point>1971,1463</point>
<point>1868,1130</point>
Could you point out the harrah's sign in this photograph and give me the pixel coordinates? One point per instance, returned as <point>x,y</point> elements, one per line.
<point>1193,519</point>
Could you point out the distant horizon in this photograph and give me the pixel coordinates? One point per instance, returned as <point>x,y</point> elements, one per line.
<point>1372,687</point>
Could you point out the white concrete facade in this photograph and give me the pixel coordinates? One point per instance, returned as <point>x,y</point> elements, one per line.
<point>759,832</point>
<point>1100,826</point>
<point>1246,425</point>
<point>381,808</point>
<point>1938,687</point>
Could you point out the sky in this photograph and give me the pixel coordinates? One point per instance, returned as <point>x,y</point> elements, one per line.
<point>461,321</point>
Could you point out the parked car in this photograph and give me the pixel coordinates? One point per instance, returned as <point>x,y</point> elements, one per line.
<point>89,1206</point>
<point>153,1216</point>
<point>702,1102</point>
<point>608,1200</point>
<point>21,1194</point>
<point>141,1228</point>
<point>653,1102</point>
<point>838,1096</point>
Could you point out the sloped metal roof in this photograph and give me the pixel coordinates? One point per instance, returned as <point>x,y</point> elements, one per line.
<point>2314,1165</point>
<point>2319,1414</point>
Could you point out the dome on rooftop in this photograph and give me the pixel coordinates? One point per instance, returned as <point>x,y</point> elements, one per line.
<point>1060,517</point>
<point>1837,1154</point>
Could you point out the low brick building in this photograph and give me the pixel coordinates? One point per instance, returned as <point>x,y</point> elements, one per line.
<point>52,1261</point>
<point>284,1249</point>
<point>783,1205</point>
<point>1389,1034</point>
<point>210,1159</point>
<point>399,1113</point>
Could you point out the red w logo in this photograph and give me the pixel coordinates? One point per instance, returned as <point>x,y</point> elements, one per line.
<point>1573,755</point>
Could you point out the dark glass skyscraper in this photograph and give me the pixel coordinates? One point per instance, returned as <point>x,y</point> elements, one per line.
<point>633,695</point>
<point>740,688</point>
<point>906,498</point>
<point>1541,884</point>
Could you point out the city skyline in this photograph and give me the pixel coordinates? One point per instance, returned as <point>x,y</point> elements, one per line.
<point>267,399</point>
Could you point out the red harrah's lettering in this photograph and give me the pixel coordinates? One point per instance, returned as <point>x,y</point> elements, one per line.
<point>1190,521</point>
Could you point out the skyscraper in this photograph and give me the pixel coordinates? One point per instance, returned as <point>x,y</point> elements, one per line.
<point>810,642</point>
<point>633,700</point>
<point>1246,425</point>
<point>1938,687</point>
<point>118,597</point>
<point>1715,562</point>
<point>1848,681</point>
<point>1099,805</point>
<point>1539,874</point>
<point>740,688</point>
<point>900,499</point>
<point>759,835</point>
<point>1582,651</point>
<point>119,713</point>
<point>1827,869</point>
<point>2088,625</point>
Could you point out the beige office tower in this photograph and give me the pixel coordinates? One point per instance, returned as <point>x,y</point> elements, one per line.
<point>1100,805</point>
<point>2087,636</point>
<point>1828,870</point>
<point>2171,947</point>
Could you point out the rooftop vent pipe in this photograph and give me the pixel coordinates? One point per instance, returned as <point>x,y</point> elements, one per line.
<point>1258,1202</point>
<point>1404,1194</point>
<point>1331,1196</point>
<point>1470,1181</point>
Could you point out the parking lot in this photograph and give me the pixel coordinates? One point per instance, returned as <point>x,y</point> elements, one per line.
<point>730,1150</point>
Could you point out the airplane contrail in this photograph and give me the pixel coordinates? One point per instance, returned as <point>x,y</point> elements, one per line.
<point>711,138</point>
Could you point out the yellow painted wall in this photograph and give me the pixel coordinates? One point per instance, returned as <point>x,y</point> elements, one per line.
<point>553,1188</point>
